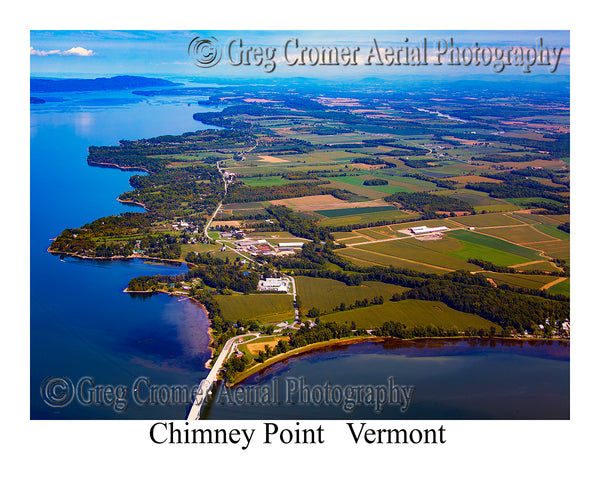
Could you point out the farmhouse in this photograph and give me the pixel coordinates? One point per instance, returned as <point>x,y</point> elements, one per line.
<point>273,285</point>
<point>426,229</point>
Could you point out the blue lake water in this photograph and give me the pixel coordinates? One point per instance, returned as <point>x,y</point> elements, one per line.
<point>452,379</point>
<point>83,325</point>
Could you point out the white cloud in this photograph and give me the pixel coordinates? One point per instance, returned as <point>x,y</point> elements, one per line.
<point>75,51</point>
<point>79,51</point>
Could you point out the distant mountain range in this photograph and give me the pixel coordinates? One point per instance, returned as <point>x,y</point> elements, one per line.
<point>121,82</point>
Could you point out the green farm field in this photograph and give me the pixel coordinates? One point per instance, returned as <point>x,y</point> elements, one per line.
<point>520,280</point>
<point>411,313</point>
<point>343,212</point>
<point>562,288</point>
<point>542,266</point>
<point>264,308</point>
<point>503,207</point>
<point>553,231</point>
<point>366,258</point>
<point>387,215</point>
<point>265,181</point>
<point>326,294</point>
<point>473,197</point>
<point>492,249</point>
<point>518,234</point>
<point>488,220</point>
<point>416,251</point>
<point>555,248</point>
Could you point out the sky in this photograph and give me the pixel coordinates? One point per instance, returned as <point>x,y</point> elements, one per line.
<point>65,53</point>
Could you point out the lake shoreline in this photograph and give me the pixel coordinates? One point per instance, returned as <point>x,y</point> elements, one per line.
<point>209,329</point>
<point>364,339</point>
<point>120,257</point>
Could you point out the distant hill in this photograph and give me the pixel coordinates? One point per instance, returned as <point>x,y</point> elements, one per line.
<point>122,82</point>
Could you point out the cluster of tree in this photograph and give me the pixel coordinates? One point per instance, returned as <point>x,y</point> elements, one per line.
<point>501,305</point>
<point>198,258</point>
<point>430,203</point>
<point>517,186</point>
<point>417,163</point>
<point>375,181</point>
<point>548,208</point>
<point>509,157</point>
<point>556,176</point>
<point>282,346</point>
<point>295,176</point>
<point>178,191</point>
<point>152,154</point>
<point>565,227</point>
<point>235,365</point>
<point>143,284</point>
<point>439,182</point>
<point>227,117</point>
<point>300,227</point>
<point>226,277</point>
<point>400,330</point>
<point>321,332</point>
<point>374,161</point>
<point>314,312</point>
<point>117,235</point>
<point>240,193</point>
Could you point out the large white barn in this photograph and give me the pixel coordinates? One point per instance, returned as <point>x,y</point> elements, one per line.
<point>273,285</point>
<point>426,229</point>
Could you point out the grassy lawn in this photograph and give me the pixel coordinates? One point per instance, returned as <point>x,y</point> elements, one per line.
<point>411,313</point>
<point>264,308</point>
<point>325,293</point>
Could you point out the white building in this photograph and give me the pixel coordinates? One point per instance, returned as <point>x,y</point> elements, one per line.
<point>291,245</point>
<point>426,229</point>
<point>273,285</point>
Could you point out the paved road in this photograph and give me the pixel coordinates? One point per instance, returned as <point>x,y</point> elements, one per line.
<point>207,383</point>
